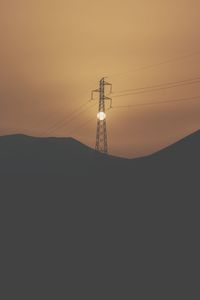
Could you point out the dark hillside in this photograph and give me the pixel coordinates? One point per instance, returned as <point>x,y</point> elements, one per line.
<point>80,225</point>
<point>23,154</point>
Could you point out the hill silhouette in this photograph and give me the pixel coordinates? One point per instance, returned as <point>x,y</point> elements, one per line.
<point>64,166</point>
<point>78,224</point>
<point>20,153</point>
<point>24,154</point>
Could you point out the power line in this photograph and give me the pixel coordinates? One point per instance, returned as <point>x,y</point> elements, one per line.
<point>84,124</point>
<point>158,64</point>
<point>149,90</point>
<point>157,102</point>
<point>71,118</point>
<point>82,108</point>
<point>196,79</point>
<point>64,119</point>
<point>60,122</point>
<point>137,105</point>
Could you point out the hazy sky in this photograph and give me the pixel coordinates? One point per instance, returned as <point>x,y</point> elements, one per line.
<point>53,52</point>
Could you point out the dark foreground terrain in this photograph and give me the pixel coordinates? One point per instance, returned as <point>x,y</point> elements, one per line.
<point>80,225</point>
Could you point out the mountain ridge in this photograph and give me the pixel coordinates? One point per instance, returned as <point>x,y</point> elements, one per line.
<point>193,137</point>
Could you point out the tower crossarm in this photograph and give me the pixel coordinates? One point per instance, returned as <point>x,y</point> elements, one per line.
<point>92,93</point>
<point>110,99</point>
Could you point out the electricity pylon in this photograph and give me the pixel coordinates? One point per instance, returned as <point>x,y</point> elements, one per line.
<point>101,133</point>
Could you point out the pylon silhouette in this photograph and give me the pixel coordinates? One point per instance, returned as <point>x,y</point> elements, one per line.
<point>101,132</point>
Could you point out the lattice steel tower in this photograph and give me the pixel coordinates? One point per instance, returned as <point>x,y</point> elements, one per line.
<point>101,133</point>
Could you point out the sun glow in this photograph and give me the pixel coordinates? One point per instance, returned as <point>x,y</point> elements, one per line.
<point>101,115</point>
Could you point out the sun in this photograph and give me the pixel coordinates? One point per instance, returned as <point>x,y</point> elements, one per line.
<point>101,115</point>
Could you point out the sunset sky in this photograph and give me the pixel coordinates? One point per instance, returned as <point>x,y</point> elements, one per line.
<point>54,52</point>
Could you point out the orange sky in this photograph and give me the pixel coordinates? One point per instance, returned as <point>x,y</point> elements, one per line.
<point>53,52</point>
